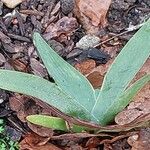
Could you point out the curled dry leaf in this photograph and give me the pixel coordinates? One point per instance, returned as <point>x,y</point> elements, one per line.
<point>12,3</point>
<point>25,106</point>
<point>92,13</point>
<point>41,131</point>
<point>35,142</point>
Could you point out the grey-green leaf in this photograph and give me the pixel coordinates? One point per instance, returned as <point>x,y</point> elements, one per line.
<point>65,76</point>
<point>122,71</point>
<point>42,89</point>
<point>124,99</point>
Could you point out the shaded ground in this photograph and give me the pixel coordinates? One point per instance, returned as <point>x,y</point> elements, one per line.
<point>18,53</point>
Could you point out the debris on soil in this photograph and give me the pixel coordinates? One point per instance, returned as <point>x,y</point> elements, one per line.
<point>86,67</point>
<point>96,79</point>
<point>35,142</point>
<point>67,6</point>
<point>65,26</point>
<point>92,14</point>
<point>38,68</point>
<point>88,41</point>
<point>11,3</point>
<point>141,140</point>
<point>78,30</point>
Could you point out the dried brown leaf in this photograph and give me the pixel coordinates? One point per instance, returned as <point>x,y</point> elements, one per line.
<point>127,116</point>
<point>24,106</point>
<point>41,131</point>
<point>35,142</point>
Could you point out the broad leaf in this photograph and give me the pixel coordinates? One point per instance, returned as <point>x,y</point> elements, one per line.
<point>122,102</point>
<point>122,71</point>
<point>65,76</point>
<point>124,99</point>
<point>42,89</point>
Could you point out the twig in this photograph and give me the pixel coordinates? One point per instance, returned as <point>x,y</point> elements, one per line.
<point>130,29</point>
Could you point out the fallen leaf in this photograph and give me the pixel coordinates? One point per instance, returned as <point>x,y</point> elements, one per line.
<point>98,55</point>
<point>127,116</point>
<point>92,143</point>
<point>86,66</point>
<point>112,50</point>
<point>35,142</point>
<point>12,3</point>
<point>75,136</point>
<point>41,131</point>
<point>24,106</point>
<point>92,13</point>
<point>102,69</point>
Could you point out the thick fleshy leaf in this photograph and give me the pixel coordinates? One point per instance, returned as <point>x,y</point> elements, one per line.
<point>66,77</point>
<point>54,123</point>
<point>42,89</point>
<point>120,74</point>
<point>125,99</point>
<point>122,102</point>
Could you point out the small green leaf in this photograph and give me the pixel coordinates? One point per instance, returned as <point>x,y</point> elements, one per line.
<point>66,77</point>
<point>54,123</point>
<point>121,72</point>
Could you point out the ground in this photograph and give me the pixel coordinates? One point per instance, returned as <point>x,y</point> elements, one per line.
<point>61,26</point>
